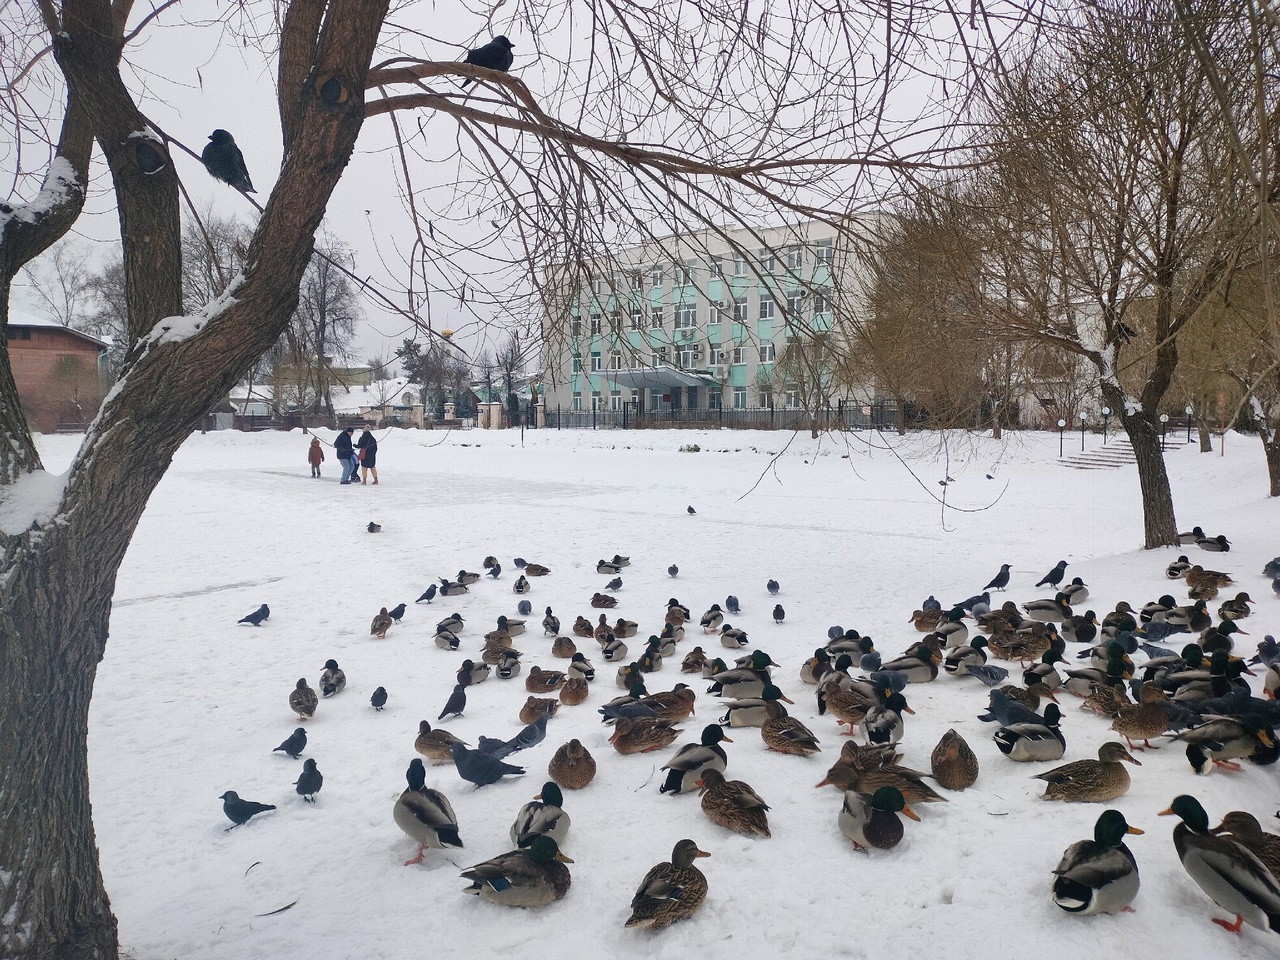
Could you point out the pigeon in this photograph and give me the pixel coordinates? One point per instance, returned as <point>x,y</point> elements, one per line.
<point>256,618</point>
<point>308,785</point>
<point>692,512</point>
<point>731,604</point>
<point>490,561</point>
<point>969,603</point>
<point>457,703</point>
<point>495,571</point>
<point>379,698</point>
<point>1054,576</point>
<point>1000,580</point>
<point>481,768</point>
<point>294,746</point>
<point>495,55</point>
<point>532,735</point>
<point>428,595</point>
<point>1008,712</point>
<point>773,588</point>
<point>224,161</point>
<point>932,603</point>
<point>778,613</point>
<point>395,613</point>
<point>524,608</point>
<point>1272,569</point>
<point>614,584</point>
<point>520,563</point>
<point>239,811</point>
<point>672,570</point>
<point>988,673</point>
<point>373,527</point>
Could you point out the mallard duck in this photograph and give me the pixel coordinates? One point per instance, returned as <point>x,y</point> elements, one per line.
<point>817,666</point>
<point>621,560</point>
<point>630,674</point>
<point>381,624</point>
<point>582,628</point>
<point>613,650</point>
<point>1225,739</point>
<point>712,619</point>
<point>670,891</point>
<point>1218,544</point>
<point>544,681</point>
<point>1245,830</point>
<point>535,707</point>
<point>543,816</point>
<point>511,627</point>
<point>1218,638</point>
<point>602,601</point>
<point>446,640</point>
<point>1233,878</point>
<point>435,745</point>
<point>1236,608</point>
<point>953,762</point>
<point>1049,611</point>
<point>920,667</point>
<point>496,650</point>
<point>608,567</point>
<point>624,628</point>
<point>742,682</point>
<point>425,815</point>
<point>670,635</point>
<point>1006,617</point>
<point>693,759</point>
<point>550,623</point>
<point>1080,628</point>
<point>733,804</point>
<point>536,570</point>
<point>497,639</point>
<point>641,735</point>
<point>872,820</point>
<point>785,734</point>
<point>961,658</point>
<point>1098,875</point>
<point>602,629</point>
<point>693,661</point>
<point>849,705</point>
<point>672,706</point>
<point>303,700</point>
<point>563,647</point>
<point>1143,720</point>
<point>1199,576</point>
<point>467,579</point>
<point>572,766</point>
<point>333,680</point>
<point>453,623</point>
<point>574,692</point>
<point>1033,741</point>
<point>953,630</point>
<point>751,711</point>
<point>732,637</point>
<point>848,776</point>
<point>1090,781</point>
<point>882,723</point>
<point>1190,536</point>
<point>1029,642</point>
<point>1082,682</point>
<point>1044,673</point>
<point>507,665</point>
<point>580,668</point>
<point>1077,591</point>
<point>711,667</point>
<point>532,877</point>
<point>926,620</point>
<point>471,673</point>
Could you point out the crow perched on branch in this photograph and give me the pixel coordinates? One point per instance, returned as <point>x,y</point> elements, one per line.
<point>495,55</point>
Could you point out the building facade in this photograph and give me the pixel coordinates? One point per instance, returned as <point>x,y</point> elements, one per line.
<point>60,373</point>
<point>717,319</point>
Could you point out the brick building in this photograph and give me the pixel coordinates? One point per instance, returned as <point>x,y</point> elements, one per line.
<point>60,372</point>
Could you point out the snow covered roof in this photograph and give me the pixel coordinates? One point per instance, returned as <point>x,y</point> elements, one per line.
<point>379,393</point>
<point>19,318</point>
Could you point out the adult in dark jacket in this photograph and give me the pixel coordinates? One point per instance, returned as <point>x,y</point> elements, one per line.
<point>368,462</point>
<point>346,455</point>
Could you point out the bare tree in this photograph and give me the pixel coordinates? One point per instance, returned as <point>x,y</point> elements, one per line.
<point>62,283</point>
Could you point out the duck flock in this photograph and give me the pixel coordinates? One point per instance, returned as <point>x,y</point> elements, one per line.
<point>1167,671</point>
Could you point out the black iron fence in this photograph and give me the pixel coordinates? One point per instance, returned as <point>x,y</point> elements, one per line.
<point>842,416</point>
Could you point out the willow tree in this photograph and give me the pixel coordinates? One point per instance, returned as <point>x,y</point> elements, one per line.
<point>655,119</point>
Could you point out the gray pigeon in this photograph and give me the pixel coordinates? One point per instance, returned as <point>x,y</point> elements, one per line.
<point>988,673</point>
<point>239,811</point>
<point>772,587</point>
<point>308,785</point>
<point>614,584</point>
<point>672,570</point>
<point>532,735</point>
<point>296,743</point>
<point>481,768</point>
<point>1007,712</point>
<point>256,618</point>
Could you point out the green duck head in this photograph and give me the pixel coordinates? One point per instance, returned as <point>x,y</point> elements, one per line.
<point>713,733</point>
<point>1192,814</point>
<point>761,660</point>
<point>890,800</point>
<point>770,692</point>
<point>543,849</point>
<point>551,795</point>
<point>1111,828</point>
<point>1052,715</point>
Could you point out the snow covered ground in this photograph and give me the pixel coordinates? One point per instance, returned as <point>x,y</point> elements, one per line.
<point>189,704</point>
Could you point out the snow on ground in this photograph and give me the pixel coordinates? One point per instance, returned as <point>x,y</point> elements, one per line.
<point>189,704</point>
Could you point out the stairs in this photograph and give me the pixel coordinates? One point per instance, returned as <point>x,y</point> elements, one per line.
<point>1116,453</point>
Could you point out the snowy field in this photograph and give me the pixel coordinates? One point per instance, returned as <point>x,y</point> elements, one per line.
<point>189,704</point>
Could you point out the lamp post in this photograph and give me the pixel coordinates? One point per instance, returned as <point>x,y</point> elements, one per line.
<point>1164,423</point>
<point>1189,411</point>
<point>1106,415</point>
<point>1062,427</point>
<point>1082,418</point>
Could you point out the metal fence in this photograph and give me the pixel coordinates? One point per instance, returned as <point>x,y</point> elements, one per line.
<point>879,416</point>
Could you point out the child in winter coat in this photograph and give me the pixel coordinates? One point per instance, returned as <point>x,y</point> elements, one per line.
<point>315,456</point>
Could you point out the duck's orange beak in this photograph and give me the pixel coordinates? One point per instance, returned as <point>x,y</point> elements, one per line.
<point>908,812</point>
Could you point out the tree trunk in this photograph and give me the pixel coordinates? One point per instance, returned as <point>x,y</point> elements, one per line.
<point>1272,450</point>
<point>1160,528</point>
<point>1206,438</point>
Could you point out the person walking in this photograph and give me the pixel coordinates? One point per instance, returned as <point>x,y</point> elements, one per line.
<point>315,456</point>
<point>368,457</point>
<point>346,455</point>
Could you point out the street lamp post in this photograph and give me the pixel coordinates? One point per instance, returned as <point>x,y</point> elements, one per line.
<point>1062,427</point>
<point>1106,416</point>
<point>1082,418</point>
<point>1190,410</point>
<point>1164,423</point>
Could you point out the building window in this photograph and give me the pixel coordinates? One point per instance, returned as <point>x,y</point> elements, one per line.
<point>615,321</point>
<point>637,318</point>
<point>717,268</point>
<point>738,355</point>
<point>595,361</point>
<point>739,398</point>
<point>795,301</point>
<point>768,261</point>
<point>795,257</point>
<point>615,400</point>
<point>577,363</point>
<point>655,318</point>
<point>715,356</point>
<point>597,401</point>
<point>633,360</point>
<point>687,358</point>
<point>575,326</point>
<point>686,315</point>
<point>659,356</point>
<point>576,404</point>
<point>766,353</point>
<point>684,274</point>
<point>766,396</point>
<point>615,360</point>
<point>766,305</point>
<point>793,396</point>
<point>635,279</point>
<point>820,305</point>
<point>739,265</point>
<point>615,280</point>
<point>655,400</point>
<point>713,400</point>
<point>655,276</point>
<point>824,251</point>
<point>595,324</point>
<point>740,309</point>
<point>597,283</point>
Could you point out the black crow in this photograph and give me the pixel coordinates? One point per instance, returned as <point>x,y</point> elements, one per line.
<point>396,613</point>
<point>778,613</point>
<point>373,527</point>
<point>428,595</point>
<point>256,618</point>
<point>379,698</point>
<point>296,743</point>
<point>673,570</point>
<point>224,161</point>
<point>692,512</point>
<point>308,785</point>
<point>496,55</point>
<point>495,571</point>
<point>239,811</point>
<point>457,703</point>
<point>1054,576</point>
<point>1000,580</point>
